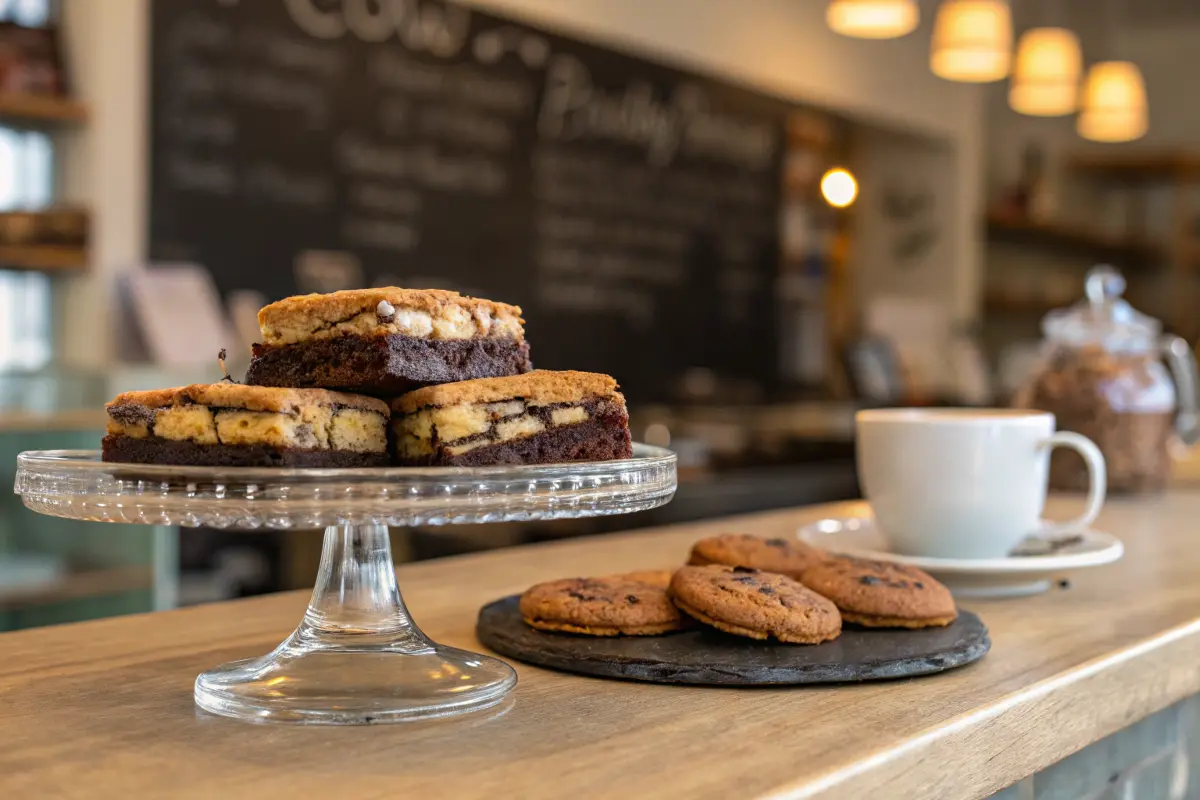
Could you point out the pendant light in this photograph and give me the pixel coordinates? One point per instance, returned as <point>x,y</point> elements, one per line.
<point>1045,80</point>
<point>1114,106</point>
<point>972,41</point>
<point>873,19</point>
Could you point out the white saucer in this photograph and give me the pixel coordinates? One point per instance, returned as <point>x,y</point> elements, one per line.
<point>1014,576</point>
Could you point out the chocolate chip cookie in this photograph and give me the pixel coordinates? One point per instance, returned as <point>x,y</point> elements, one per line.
<point>760,605</point>
<point>609,606</point>
<point>784,556</point>
<point>881,594</point>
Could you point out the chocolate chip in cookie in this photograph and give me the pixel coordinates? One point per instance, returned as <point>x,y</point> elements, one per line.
<point>882,594</point>
<point>759,605</point>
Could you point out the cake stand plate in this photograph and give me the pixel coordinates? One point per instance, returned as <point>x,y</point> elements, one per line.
<point>706,656</point>
<point>357,656</point>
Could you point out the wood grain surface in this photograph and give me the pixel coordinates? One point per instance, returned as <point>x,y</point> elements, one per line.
<point>104,709</point>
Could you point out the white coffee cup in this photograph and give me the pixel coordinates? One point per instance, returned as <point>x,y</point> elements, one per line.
<point>965,483</point>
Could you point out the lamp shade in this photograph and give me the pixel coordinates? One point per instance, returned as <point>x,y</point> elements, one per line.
<point>1046,75</point>
<point>1114,107</point>
<point>872,19</point>
<point>972,41</point>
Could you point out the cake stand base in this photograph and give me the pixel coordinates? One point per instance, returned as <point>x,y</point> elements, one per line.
<point>357,657</point>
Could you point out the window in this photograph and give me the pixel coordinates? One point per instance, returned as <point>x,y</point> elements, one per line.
<point>30,13</point>
<point>26,182</point>
<point>24,320</point>
<point>26,170</point>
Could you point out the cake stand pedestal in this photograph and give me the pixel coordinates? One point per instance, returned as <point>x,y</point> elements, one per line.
<point>357,656</point>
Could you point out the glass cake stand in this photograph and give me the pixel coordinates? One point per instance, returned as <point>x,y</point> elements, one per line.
<point>357,656</point>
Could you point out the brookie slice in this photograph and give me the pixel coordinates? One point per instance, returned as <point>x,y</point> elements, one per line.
<point>227,424</point>
<point>542,417</point>
<point>386,341</point>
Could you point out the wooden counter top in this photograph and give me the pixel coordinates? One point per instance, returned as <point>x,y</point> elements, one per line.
<point>104,709</point>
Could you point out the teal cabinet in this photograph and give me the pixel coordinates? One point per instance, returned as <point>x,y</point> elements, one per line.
<point>109,569</point>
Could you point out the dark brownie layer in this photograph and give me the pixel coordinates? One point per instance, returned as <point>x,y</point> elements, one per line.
<point>594,440</point>
<point>153,450</point>
<point>385,365</point>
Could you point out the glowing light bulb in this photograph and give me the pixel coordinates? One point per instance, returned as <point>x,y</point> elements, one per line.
<point>839,188</point>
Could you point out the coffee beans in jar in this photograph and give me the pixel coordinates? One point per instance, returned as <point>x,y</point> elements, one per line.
<point>1104,375</point>
<point>1122,401</point>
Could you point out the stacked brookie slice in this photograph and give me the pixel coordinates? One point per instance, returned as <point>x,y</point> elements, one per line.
<point>455,369</point>
<point>385,342</point>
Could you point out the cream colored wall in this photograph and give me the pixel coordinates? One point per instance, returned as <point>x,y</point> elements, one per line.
<point>908,167</point>
<point>104,167</point>
<point>780,46</point>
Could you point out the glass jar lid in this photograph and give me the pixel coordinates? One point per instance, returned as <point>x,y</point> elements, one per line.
<point>1103,317</point>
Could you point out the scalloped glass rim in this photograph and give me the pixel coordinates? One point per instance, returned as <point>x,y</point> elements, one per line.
<point>76,484</point>
<point>644,455</point>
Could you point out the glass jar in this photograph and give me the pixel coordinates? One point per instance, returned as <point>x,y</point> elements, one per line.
<point>1102,375</point>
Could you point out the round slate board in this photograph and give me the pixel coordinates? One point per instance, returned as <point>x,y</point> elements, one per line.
<point>707,656</point>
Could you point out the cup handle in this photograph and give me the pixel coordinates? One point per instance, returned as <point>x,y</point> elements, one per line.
<point>1097,479</point>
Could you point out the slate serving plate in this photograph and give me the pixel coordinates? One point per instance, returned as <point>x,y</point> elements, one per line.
<point>707,656</point>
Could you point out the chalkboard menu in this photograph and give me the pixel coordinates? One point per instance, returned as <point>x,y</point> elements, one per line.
<point>630,208</point>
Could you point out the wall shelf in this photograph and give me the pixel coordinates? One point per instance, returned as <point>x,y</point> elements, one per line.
<point>1126,251</point>
<point>43,257</point>
<point>79,584</point>
<point>31,109</point>
<point>1146,166</point>
<point>1136,171</point>
<point>1000,303</point>
<point>1016,306</point>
